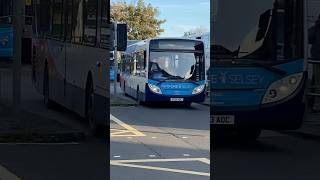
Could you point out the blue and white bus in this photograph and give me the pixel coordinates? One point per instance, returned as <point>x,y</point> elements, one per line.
<point>6,30</point>
<point>164,70</point>
<point>259,65</point>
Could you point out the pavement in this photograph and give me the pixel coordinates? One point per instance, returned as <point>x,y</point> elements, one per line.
<point>46,156</point>
<point>32,122</point>
<point>119,98</point>
<point>160,142</point>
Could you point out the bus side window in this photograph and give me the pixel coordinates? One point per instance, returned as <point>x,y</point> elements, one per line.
<point>57,15</point>
<point>90,28</point>
<point>77,21</point>
<point>104,32</point>
<point>68,19</point>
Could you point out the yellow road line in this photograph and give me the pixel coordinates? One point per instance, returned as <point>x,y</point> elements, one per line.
<point>126,163</point>
<point>7,175</point>
<point>128,129</point>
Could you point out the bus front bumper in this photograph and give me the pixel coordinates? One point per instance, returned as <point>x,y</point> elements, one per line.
<point>152,97</point>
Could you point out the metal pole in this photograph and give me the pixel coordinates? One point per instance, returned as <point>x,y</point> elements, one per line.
<point>115,56</point>
<point>18,19</point>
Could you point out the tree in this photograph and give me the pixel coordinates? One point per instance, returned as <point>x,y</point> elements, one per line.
<point>141,19</point>
<point>195,32</point>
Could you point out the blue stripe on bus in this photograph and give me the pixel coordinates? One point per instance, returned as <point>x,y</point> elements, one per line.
<point>244,87</point>
<point>175,90</point>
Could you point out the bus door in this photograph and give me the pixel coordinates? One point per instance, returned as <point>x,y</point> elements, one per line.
<point>138,80</point>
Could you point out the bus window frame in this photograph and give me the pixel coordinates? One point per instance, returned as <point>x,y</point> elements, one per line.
<point>52,35</point>
<point>85,23</point>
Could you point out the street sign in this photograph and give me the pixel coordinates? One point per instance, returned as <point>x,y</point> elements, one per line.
<point>28,2</point>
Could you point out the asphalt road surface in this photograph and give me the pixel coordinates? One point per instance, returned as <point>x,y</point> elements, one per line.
<point>160,143</point>
<point>289,155</point>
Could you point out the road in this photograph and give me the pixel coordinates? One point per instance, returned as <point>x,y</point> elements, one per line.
<point>293,155</point>
<point>81,160</point>
<point>160,143</point>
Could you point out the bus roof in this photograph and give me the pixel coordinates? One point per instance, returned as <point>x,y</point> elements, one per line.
<point>143,43</point>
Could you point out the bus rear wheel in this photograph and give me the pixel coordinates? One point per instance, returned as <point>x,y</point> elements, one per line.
<point>90,108</point>
<point>46,99</point>
<point>138,99</point>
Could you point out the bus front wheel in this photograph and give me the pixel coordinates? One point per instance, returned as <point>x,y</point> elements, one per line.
<point>248,134</point>
<point>187,104</point>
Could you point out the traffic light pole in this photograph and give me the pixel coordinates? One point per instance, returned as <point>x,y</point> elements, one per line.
<point>18,19</point>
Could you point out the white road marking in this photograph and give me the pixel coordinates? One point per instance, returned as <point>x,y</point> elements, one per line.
<point>49,144</point>
<point>186,155</point>
<point>7,175</point>
<point>126,163</point>
<point>116,156</point>
<point>124,133</point>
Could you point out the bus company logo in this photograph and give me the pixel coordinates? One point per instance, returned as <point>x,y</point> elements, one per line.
<point>223,77</point>
<point>176,86</point>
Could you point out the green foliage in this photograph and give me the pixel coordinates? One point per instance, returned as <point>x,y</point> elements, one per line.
<point>141,19</point>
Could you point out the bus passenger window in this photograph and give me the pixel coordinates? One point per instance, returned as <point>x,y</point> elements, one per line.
<point>77,24</point>
<point>57,14</point>
<point>90,29</point>
<point>69,20</point>
<point>104,33</point>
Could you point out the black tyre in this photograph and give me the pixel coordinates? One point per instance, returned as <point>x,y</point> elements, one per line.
<point>90,109</point>
<point>248,134</point>
<point>124,89</point>
<point>138,99</point>
<point>46,89</point>
<point>187,104</point>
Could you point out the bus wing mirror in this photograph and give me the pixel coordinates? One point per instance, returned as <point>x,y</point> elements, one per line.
<point>122,37</point>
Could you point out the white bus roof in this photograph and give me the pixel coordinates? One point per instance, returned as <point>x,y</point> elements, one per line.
<point>144,42</point>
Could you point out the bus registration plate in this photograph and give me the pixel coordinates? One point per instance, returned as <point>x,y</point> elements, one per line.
<point>176,99</point>
<point>223,119</point>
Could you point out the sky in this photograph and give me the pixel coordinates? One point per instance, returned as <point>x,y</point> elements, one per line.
<point>180,15</point>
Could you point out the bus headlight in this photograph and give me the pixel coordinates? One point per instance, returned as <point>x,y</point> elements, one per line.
<point>155,89</point>
<point>198,89</point>
<point>282,88</point>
